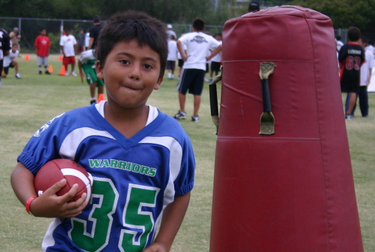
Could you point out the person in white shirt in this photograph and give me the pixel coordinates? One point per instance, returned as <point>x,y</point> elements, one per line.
<point>197,43</point>
<point>172,57</point>
<point>366,72</point>
<point>68,44</point>
<point>170,31</point>
<point>9,61</point>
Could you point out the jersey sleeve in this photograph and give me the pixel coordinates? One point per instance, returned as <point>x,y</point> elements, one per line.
<point>43,145</point>
<point>185,179</point>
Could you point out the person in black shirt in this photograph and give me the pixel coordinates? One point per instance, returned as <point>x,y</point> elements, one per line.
<point>351,57</point>
<point>94,32</point>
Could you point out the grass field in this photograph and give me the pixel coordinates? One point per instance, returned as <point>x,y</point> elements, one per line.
<point>27,103</point>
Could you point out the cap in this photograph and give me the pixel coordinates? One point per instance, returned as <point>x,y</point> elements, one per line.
<point>15,28</point>
<point>254,6</point>
<point>169,26</point>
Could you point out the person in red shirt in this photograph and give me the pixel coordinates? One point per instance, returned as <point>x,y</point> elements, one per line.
<point>42,46</point>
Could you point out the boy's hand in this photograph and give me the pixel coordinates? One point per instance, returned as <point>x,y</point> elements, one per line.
<point>155,247</point>
<point>50,205</point>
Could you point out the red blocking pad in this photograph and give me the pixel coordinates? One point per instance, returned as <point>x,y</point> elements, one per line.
<point>292,190</point>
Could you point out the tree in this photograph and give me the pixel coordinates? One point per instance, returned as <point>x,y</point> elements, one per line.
<point>345,13</point>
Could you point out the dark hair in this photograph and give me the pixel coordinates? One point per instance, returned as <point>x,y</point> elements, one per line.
<point>198,24</point>
<point>354,34</point>
<point>364,39</point>
<point>96,19</point>
<point>123,27</point>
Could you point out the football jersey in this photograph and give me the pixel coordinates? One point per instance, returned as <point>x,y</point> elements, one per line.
<point>134,178</point>
<point>4,42</point>
<point>351,57</point>
<point>198,45</point>
<point>88,58</point>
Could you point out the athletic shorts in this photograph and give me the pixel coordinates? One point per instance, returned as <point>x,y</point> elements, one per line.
<point>215,66</point>
<point>42,61</point>
<point>171,65</point>
<point>191,80</point>
<point>348,88</point>
<point>180,62</point>
<point>91,76</point>
<point>69,60</point>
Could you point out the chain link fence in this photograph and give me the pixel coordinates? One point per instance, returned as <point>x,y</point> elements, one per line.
<point>29,29</point>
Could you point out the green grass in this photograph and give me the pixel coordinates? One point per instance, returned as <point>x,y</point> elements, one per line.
<point>28,103</point>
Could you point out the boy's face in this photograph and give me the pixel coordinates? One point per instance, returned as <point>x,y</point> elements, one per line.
<point>130,74</point>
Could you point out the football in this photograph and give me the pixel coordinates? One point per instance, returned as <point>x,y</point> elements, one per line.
<point>57,169</point>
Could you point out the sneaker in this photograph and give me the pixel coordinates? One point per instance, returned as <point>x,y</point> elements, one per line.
<point>348,117</point>
<point>47,72</point>
<point>18,76</point>
<point>66,73</point>
<point>92,101</point>
<point>73,74</point>
<point>180,115</point>
<point>40,72</point>
<point>195,118</point>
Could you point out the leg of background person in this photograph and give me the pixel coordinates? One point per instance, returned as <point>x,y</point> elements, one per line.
<point>347,104</point>
<point>197,102</point>
<point>15,64</point>
<point>92,90</point>
<point>363,101</point>
<point>182,100</point>
<point>352,100</point>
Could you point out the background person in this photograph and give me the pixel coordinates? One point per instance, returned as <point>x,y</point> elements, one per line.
<point>42,47</point>
<point>10,61</point>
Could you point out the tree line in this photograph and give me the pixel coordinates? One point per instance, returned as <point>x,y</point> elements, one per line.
<point>344,13</point>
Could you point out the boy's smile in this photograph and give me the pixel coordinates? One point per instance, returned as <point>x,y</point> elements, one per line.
<point>130,74</point>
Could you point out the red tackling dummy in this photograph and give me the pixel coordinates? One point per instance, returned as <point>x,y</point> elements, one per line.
<point>291,189</point>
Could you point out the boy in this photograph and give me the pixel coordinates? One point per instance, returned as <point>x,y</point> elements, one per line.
<point>87,61</point>
<point>172,56</point>
<point>42,45</point>
<point>9,61</point>
<point>68,44</point>
<point>197,45</point>
<point>141,160</point>
<point>351,57</point>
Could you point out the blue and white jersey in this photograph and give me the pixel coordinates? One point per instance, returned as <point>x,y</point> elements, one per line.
<point>134,178</point>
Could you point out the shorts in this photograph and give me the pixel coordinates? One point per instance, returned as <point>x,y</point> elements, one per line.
<point>42,61</point>
<point>180,62</point>
<point>171,65</point>
<point>215,66</point>
<point>69,60</point>
<point>349,88</point>
<point>81,49</point>
<point>91,76</point>
<point>192,80</point>
<point>6,69</point>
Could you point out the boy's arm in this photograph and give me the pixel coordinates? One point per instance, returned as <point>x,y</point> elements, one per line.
<point>172,218</point>
<point>181,50</point>
<point>48,204</point>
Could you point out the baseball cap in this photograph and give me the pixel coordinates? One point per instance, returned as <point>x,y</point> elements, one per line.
<point>254,6</point>
<point>169,26</point>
